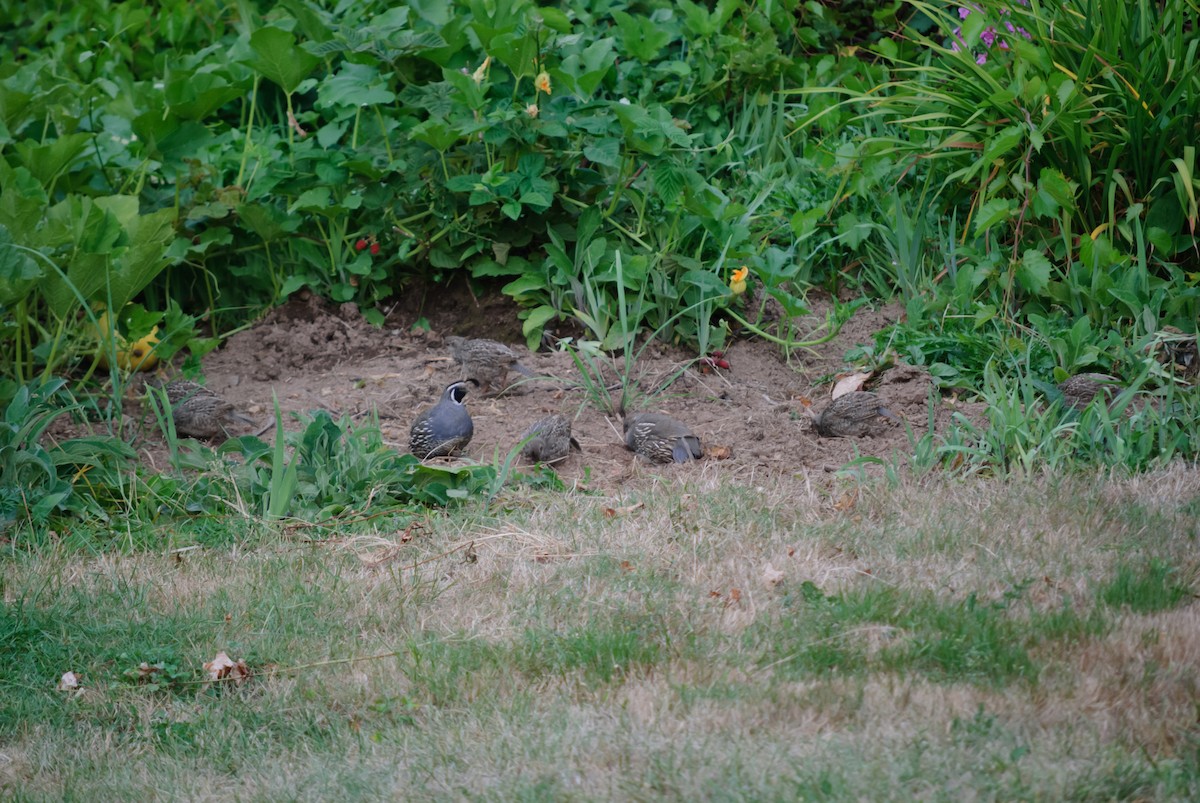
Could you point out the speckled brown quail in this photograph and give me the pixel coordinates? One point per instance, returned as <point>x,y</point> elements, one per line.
<point>852,415</point>
<point>1078,391</point>
<point>661,439</point>
<point>197,411</point>
<point>485,361</point>
<point>1180,351</point>
<point>444,428</point>
<point>550,440</point>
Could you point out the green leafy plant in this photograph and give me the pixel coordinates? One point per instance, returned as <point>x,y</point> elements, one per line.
<point>38,482</point>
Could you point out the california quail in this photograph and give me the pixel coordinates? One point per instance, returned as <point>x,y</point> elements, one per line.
<point>1078,391</point>
<point>1180,351</point>
<point>197,411</point>
<point>660,438</point>
<point>485,361</point>
<point>444,428</point>
<point>851,415</point>
<point>550,440</point>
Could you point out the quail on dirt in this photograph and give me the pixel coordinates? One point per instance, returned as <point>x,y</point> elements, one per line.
<point>550,440</point>
<point>444,428</point>
<point>1078,391</point>
<point>661,439</point>
<point>485,361</point>
<point>852,415</point>
<point>197,411</point>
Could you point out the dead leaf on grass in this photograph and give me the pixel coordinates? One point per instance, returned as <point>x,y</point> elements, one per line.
<point>222,667</point>
<point>771,576</point>
<point>68,682</point>
<point>846,501</point>
<point>849,384</point>
<point>718,452</point>
<point>615,512</point>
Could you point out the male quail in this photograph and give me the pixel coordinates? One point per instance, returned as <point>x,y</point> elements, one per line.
<point>1079,390</point>
<point>851,415</point>
<point>550,439</point>
<point>444,428</point>
<point>485,361</point>
<point>661,439</point>
<point>197,411</point>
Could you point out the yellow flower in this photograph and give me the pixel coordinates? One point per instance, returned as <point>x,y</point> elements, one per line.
<point>479,74</point>
<point>542,82</point>
<point>737,282</point>
<point>532,110</point>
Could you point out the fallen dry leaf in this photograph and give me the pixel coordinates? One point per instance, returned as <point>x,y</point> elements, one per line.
<point>718,452</point>
<point>771,576</point>
<point>849,384</point>
<point>223,667</point>
<point>735,595</point>
<point>68,682</point>
<point>613,512</point>
<point>846,501</point>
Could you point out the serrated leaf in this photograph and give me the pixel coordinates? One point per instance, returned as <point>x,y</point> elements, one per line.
<point>1033,274</point>
<point>1000,144</point>
<point>994,211</point>
<point>605,152</point>
<point>669,181</point>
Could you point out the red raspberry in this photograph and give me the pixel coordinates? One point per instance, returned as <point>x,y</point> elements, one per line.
<point>374,249</point>
<point>360,245</point>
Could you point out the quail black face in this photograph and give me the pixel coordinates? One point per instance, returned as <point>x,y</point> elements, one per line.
<point>444,428</point>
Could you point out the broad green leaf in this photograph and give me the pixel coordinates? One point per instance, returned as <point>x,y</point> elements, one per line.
<point>353,85</point>
<point>529,283</point>
<point>605,152</point>
<point>278,58</point>
<point>47,160</point>
<point>435,133</point>
<point>18,270</point>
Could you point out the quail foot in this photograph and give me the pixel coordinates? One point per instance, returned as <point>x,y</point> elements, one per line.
<point>444,428</point>
<point>550,440</point>
<point>485,361</point>
<point>852,415</point>
<point>197,411</point>
<point>661,439</point>
<point>1078,391</point>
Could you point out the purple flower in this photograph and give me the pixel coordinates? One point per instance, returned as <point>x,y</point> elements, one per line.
<point>981,58</point>
<point>989,35</point>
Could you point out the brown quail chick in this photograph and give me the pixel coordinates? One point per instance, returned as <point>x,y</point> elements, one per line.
<point>1180,351</point>
<point>661,439</point>
<point>851,416</point>
<point>197,411</point>
<point>1078,391</point>
<point>485,361</point>
<point>550,440</point>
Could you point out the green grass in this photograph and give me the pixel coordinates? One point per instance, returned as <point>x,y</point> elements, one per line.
<point>1028,639</point>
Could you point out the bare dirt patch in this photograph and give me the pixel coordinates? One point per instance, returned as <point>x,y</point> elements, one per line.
<point>312,355</point>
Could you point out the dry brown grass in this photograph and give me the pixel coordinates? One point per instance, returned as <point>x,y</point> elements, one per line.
<point>466,702</point>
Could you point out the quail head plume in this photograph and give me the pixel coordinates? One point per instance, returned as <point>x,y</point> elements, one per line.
<point>445,428</point>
